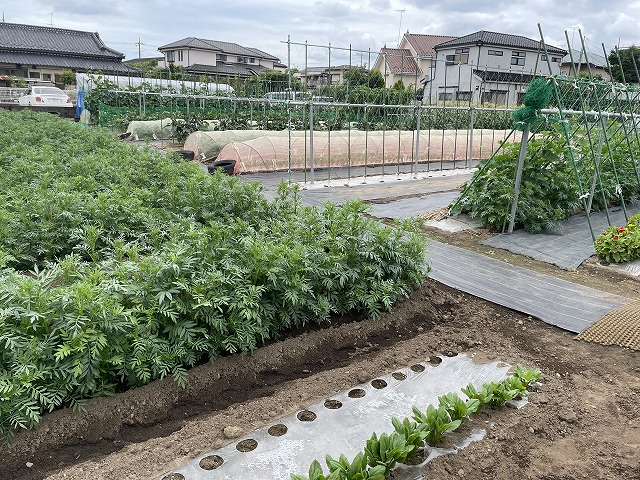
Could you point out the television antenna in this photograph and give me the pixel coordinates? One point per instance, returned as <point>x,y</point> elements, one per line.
<point>400,26</point>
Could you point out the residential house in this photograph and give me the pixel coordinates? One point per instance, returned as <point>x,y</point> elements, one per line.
<point>412,62</point>
<point>318,77</point>
<point>218,59</point>
<point>489,67</point>
<point>41,54</point>
<point>583,63</point>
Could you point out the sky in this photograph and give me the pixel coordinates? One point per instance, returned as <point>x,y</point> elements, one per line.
<point>335,31</point>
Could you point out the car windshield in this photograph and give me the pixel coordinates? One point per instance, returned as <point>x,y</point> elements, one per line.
<point>48,91</point>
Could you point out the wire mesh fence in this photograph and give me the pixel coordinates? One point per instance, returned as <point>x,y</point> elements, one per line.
<point>378,111</point>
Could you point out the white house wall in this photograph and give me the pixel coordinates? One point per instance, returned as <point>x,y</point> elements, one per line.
<point>460,77</point>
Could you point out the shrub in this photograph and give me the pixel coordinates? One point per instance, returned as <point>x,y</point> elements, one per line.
<point>620,244</point>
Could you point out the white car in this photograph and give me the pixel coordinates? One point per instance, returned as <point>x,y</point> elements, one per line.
<point>45,97</point>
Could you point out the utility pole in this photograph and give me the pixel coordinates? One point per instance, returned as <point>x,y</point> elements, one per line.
<point>51,19</point>
<point>400,26</point>
<point>139,48</point>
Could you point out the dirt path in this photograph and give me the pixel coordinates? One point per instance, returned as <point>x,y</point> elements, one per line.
<point>583,423</point>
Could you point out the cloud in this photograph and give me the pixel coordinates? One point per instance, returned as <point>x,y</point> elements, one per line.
<point>363,24</point>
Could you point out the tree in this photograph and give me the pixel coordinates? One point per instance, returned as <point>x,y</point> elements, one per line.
<point>356,76</point>
<point>627,57</point>
<point>68,77</point>
<point>274,81</point>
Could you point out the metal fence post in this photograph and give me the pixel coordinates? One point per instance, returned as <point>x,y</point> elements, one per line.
<point>516,190</point>
<point>311,153</point>
<point>472,121</point>
<point>417,151</point>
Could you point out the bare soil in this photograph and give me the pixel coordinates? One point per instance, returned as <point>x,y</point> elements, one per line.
<point>583,422</point>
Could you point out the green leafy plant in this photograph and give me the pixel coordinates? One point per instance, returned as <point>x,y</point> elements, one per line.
<point>457,408</point>
<point>387,450</point>
<point>183,128</point>
<point>527,375</point>
<point>413,433</point>
<point>315,473</point>
<point>115,270</point>
<point>358,469</point>
<point>436,422</point>
<point>620,244</point>
<point>382,453</point>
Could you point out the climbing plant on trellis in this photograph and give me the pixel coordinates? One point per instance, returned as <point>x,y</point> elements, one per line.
<point>579,151</point>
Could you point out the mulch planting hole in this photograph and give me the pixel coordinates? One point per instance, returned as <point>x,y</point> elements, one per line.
<point>173,476</point>
<point>357,393</point>
<point>417,368</point>
<point>399,376</point>
<point>277,430</point>
<point>246,445</point>
<point>378,383</point>
<point>306,416</point>
<point>435,361</point>
<point>333,404</point>
<point>211,462</point>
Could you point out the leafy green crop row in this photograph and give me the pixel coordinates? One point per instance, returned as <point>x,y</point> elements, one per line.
<point>382,453</point>
<point>121,265</point>
<point>549,191</point>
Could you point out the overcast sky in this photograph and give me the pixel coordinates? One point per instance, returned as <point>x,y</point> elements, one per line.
<point>365,25</point>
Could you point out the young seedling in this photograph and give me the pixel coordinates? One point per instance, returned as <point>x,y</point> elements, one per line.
<point>413,433</point>
<point>457,408</point>
<point>527,375</point>
<point>387,450</point>
<point>315,473</point>
<point>358,469</point>
<point>436,422</point>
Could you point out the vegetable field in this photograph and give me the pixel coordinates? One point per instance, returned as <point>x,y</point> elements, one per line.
<point>121,265</point>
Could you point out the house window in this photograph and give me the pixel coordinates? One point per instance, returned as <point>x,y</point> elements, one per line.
<point>46,77</point>
<point>221,58</point>
<point>171,56</point>
<point>556,59</point>
<point>34,75</point>
<point>466,96</point>
<point>180,56</point>
<point>445,96</point>
<point>517,58</point>
<point>497,53</point>
<point>461,56</point>
<point>243,59</point>
<point>543,58</point>
<point>252,60</point>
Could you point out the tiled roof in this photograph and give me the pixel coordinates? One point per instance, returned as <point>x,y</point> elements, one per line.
<point>499,40</point>
<point>66,61</point>
<point>215,45</point>
<point>321,70</point>
<point>579,57</point>
<point>400,60</point>
<point>233,69</point>
<point>16,37</point>
<point>423,44</point>
<point>503,77</point>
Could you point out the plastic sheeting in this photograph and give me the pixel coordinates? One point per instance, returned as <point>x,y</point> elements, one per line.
<point>150,129</point>
<point>157,129</point>
<point>342,148</point>
<point>208,144</point>
<point>86,82</point>
<point>346,429</point>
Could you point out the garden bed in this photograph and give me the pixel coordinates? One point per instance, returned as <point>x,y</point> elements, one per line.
<point>585,420</point>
